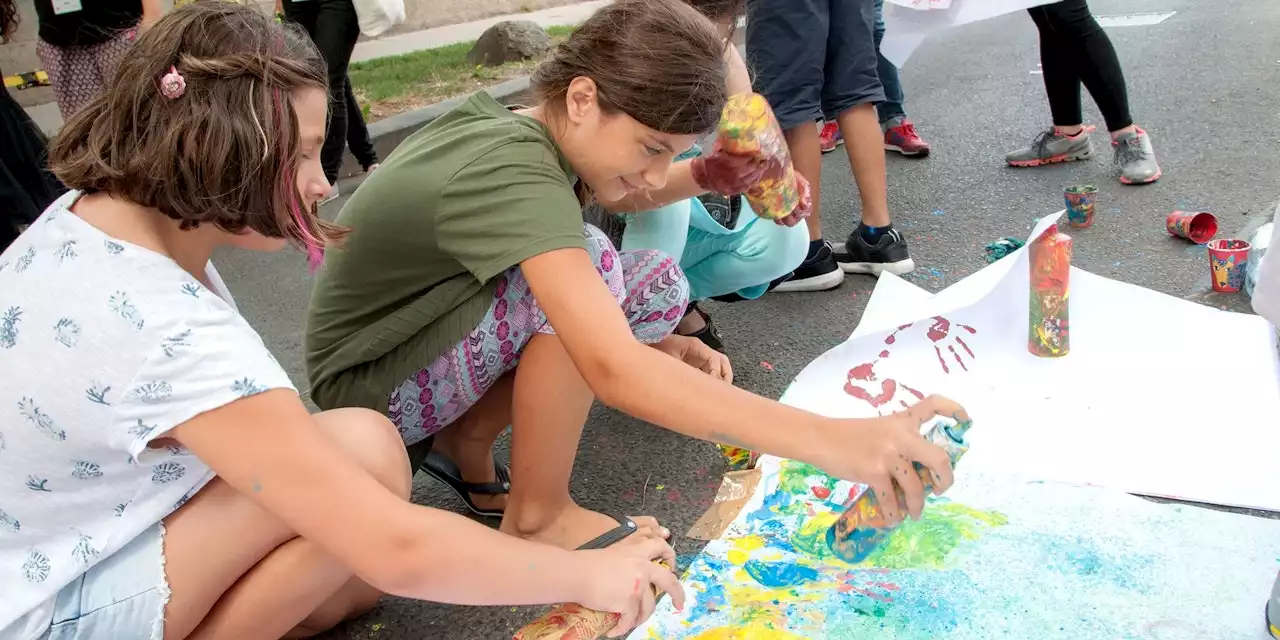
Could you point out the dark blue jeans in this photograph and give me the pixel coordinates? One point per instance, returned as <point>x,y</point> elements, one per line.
<point>893,97</point>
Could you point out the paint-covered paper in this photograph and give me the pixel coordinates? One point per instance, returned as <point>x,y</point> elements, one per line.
<point>996,557</point>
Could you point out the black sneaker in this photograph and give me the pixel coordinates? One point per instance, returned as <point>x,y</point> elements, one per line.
<point>890,254</point>
<point>817,273</point>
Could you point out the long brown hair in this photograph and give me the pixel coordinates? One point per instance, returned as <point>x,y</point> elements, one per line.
<point>8,20</point>
<point>658,61</point>
<point>224,153</point>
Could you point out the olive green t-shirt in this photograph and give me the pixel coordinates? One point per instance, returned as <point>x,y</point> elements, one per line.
<point>467,197</point>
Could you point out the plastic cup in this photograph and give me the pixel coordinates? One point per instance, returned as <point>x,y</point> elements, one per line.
<point>1080,204</point>
<point>1196,226</point>
<point>1227,260</point>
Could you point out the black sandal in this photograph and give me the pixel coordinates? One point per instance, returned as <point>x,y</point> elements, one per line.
<point>626,527</point>
<point>443,469</point>
<point>707,334</point>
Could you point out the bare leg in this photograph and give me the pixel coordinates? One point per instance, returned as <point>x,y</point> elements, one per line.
<point>550,405</point>
<point>864,142</point>
<point>236,571</point>
<point>468,442</point>
<point>806,155</point>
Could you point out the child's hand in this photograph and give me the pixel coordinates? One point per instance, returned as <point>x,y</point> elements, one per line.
<point>618,580</point>
<point>727,174</point>
<point>803,208</point>
<point>880,451</point>
<point>698,355</point>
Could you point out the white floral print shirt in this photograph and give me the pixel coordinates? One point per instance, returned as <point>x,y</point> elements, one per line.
<point>104,347</point>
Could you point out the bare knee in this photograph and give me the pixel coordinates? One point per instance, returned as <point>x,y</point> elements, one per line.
<point>373,441</point>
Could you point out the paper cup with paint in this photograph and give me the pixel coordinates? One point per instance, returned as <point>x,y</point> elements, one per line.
<point>1196,226</point>
<point>1080,205</point>
<point>1227,262</point>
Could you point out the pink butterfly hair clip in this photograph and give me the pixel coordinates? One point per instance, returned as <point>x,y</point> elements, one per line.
<point>172,84</point>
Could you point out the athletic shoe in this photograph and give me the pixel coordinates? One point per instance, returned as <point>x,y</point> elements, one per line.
<point>830,136</point>
<point>1135,158</point>
<point>900,135</point>
<point>817,273</point>
<point>1050,147</point>
<point>889,253</point>
<point>331,196</point>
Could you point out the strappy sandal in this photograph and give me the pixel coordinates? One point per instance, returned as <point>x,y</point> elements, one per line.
<point>443,469</point>
<point>626,527</point>
<point>707,334</point>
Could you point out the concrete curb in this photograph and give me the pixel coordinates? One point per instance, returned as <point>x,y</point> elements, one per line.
<point>389,133</point>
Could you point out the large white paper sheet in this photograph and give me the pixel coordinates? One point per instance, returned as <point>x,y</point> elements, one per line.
<point>1159,396</point>
<point>909,22</point>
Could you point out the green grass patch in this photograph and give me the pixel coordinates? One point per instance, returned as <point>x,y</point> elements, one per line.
<point>386,86</point>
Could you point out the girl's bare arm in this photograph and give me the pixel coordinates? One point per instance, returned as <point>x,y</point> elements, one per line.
<point>268,448</point>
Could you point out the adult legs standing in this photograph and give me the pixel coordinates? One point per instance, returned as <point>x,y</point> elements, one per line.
<point>333,26</point>
<point>899,132</point>
<point>1075,50</point>
<point>358,140</point>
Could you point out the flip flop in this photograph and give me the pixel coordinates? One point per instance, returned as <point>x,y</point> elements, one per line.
<point>626,527</point>
<point>443,469</point>
<point>708,333</point>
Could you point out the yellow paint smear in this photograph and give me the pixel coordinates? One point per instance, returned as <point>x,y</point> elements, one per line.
<point>750,632</point>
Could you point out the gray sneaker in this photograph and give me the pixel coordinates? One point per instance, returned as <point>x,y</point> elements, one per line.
<point>1050,147</point>
<point>1135,158</point>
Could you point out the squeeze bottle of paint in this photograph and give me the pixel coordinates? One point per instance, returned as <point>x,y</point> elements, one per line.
<point>1273,611</point>
<point>748,127</point>
<point>862,527</point>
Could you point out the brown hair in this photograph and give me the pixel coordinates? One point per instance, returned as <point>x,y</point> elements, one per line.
<point>721,11</point>
<point>8,20</point>
<point>226,151</point>
<point>659,61</point>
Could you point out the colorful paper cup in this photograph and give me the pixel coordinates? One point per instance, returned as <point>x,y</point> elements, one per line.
<point>1080,204</point>
<point>1227,260</point>
<point>1196,226</point>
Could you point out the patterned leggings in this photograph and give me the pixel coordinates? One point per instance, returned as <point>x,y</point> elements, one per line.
<point>648,285</point>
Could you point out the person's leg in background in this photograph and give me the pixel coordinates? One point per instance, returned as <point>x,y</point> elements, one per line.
<point>850,93</point>
<point>358,140</point>
<point>72,74</point>
<point>899,132</point>
<point>744,262</point>
<point>787,49</point>
<point>334,28</point>
<point>1075,49</point>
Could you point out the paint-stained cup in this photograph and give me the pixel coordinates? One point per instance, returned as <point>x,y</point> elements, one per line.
<point>1227,260</point>
<point>1080,205</point>
<point>1196,226</point>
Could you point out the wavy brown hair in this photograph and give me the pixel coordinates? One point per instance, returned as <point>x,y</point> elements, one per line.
<point>226,152</point>
<point>658,61</point>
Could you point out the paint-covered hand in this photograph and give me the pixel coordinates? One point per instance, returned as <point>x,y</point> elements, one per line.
<point>803,209</point>
<point>725,173</point>
<point>627,580</point>
<point>880,451</point>
<point>698,355</point>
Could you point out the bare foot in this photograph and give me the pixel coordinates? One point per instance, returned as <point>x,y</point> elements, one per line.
<point>575,526</point>
<point>691,323</point>
<point>474,458</point>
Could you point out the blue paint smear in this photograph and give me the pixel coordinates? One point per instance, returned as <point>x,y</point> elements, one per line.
<point>778,575</point>
<point>773,503</point>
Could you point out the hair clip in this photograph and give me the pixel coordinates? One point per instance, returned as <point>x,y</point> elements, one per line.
<point>172,84</point>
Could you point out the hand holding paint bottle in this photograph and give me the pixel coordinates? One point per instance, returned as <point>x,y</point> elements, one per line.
<point>883,453</point>
<point>862,527</point>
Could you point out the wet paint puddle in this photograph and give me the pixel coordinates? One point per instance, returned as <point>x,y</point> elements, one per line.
<point>1134,19</point>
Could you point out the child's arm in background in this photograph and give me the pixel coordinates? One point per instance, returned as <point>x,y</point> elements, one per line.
<point>151,11</point>
<point>739,79</point>
<point>267,447</point>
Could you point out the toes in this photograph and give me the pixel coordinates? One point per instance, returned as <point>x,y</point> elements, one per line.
<point>649,525</point>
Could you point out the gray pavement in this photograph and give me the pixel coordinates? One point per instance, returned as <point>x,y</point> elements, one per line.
<point>1202,82</point>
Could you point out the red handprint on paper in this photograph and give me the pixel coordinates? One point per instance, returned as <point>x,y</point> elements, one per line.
<point>864,384</point>
<point>938,333</point>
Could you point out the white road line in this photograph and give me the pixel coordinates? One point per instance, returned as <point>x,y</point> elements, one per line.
<point>1134,19</point>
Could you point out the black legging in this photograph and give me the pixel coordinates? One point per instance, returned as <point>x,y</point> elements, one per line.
<point>1075,49</point>
<point>334,28</point>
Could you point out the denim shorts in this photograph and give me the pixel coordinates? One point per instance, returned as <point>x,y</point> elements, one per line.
<point>813,59</point>
<point>121,598</point>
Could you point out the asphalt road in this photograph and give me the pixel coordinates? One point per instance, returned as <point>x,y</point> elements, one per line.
<point>1203,83</point>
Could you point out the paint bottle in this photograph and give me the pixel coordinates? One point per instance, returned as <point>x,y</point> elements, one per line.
<point>1273,610</point>
<point>861,528</point>
<point>1048,334</point>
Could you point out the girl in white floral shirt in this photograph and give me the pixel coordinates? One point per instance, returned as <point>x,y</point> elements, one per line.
<point>159,476</point>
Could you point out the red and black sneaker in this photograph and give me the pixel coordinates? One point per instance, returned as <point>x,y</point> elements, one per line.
<point>900,135</point>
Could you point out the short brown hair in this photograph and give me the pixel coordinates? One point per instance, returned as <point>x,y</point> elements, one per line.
<point>224,153</point>
<point>659,61</point>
